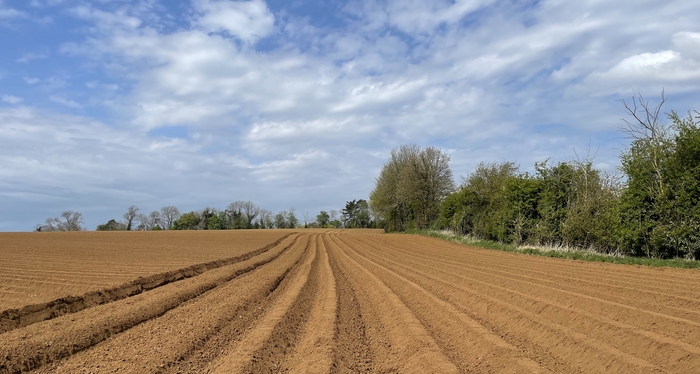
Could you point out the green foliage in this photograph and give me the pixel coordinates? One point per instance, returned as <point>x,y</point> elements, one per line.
<point>659,208</point>
<point>111,225</point>
<point>187,221</point>
<point>410,187</point>
<point>217,221</point>
<point>323,218</point>
<point>568,204</point>
<point>656,213</point>
<point>572,255</point>
<point>356,214</point>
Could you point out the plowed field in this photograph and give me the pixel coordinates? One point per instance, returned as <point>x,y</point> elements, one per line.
<point>350,301</point>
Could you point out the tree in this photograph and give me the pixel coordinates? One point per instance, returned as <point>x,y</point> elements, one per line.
<point>187,221</point>
<point>241,214</point>
<point>250,211</point>
<point>307,218</point>
<point>281,219</point>
<point>411,186</point>
<point>141,222</point>
<point>479,207</point>
<point>152,221</point>
<point>334,221</point>
<point>356,214</point>
<point>168,215</point>
<point>111,225</point>
<point>130,216</point>
<point>387,199</point>
<point>643,163</point>
<point>217,221</point>
<point>266,220</point>
<point>649,135</point>
<point>68,221</point>
<point>323,218</point>
<point>292,220</point>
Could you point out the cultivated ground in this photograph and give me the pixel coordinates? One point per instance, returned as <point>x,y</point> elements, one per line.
<point>336,301</point>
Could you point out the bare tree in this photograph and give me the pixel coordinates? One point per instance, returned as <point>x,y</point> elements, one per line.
<point>141,222</point>
<point>646,127</point>
<point>266,219</point>
<point>68,221</point>
<point>250,211</point>
<point>130,216</point>
<point>154,219</point>
<point>307,218</point>
<point>48,226</point>
<point>72,221</point>
<point>169,214</point>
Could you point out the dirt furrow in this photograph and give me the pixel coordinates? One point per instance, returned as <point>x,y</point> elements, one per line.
<point>633,276</point>
<point>661,328</point>
<point>404,343</point>
<point>468,344</point>
<point>261,348</point>
<point>45,342</point>
<point>659,305</point>
<point>353,352</point>
<point>314,351</point>
<point>15,318</point>
<point>606,334</point>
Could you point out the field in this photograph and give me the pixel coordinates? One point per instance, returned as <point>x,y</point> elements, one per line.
<point>337,301</point>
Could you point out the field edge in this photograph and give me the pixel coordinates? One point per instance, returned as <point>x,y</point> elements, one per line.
<point>581,255</point>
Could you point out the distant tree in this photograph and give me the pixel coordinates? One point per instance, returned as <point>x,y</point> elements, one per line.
<point>168,215</point>
<point>334,221</point>
<point>236,213</point>
<point>140,222</point>
<point>307,218</point>
<point>281,220</point>
<point>217,221</point>
<point>356,214</point>
<point>250,211</point>
<point>323,218</point>
<point>111,225</point>
<point>204,216</point>
<point>292,220</point>
<point>48,226</point>
<point>68,221</point>
<point>266,220</point>
<point>130,216</point>
<point>187,221</point>
<point>152,221</point>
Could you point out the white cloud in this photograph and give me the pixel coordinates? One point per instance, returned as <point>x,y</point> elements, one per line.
<point>27,57</point>
<point>10,13</point>
<point>248,21</point>
<point>688,44</point>
<point>64,101</point>
<point>12,99</point>
<point>421,16</point>
<point>320,108</point>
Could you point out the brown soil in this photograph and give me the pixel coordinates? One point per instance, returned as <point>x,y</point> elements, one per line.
<point>351,302</point>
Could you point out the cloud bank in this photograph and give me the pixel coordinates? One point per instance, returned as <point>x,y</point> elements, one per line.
<point>200,103</point>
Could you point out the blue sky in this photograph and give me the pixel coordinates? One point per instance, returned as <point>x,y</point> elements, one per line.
<point>109,103</point>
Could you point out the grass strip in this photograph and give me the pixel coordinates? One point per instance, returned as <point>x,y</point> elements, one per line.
<point>582,255</point>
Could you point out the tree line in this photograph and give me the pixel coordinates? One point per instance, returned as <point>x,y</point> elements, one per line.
<point>237,215</point>
<point>650,208</point>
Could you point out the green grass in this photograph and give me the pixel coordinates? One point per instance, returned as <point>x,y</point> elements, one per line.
<point>581,255</point>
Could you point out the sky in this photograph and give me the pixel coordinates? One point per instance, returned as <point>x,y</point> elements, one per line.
<point>110,103</point>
